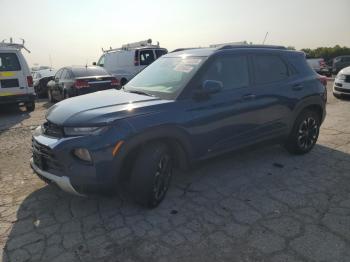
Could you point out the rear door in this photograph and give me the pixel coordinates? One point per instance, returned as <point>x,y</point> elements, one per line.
<point>12,79</point>
<point>274,92</point>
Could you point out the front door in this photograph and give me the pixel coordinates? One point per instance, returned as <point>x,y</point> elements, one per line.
<point>227,119</point>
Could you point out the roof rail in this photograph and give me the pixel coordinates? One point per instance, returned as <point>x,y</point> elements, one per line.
<point>18,46</point>
<point>129,46</point>
<point>184,49</point>
<point>231,43</point>
<point>252,46</point>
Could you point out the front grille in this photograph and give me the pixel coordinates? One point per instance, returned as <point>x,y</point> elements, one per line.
<point>44,158</point>
<point>343,90</point>
<point>51,129</point>
<point>347,78</point>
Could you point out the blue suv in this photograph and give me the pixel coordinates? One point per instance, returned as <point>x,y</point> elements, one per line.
<point>185,107</point>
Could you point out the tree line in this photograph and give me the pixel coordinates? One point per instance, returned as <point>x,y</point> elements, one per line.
<point>327,53</point>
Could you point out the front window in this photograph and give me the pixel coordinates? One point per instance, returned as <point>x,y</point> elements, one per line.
<point>9,62</point>
<point>101,62</point>
<point>166,77</point>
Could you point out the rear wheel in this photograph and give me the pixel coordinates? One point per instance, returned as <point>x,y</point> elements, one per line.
<point>151,175</point>
<point>30,106</point>
<point>305,133</point>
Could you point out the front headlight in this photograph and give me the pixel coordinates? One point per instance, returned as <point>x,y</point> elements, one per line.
<point>82,154</point>
<point>340,77</point>
<point>83,131</point>
<point>38,131</point>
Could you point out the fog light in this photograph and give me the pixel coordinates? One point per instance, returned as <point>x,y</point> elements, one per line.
<point>83,154</point>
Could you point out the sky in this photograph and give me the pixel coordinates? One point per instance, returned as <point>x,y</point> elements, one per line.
<point>72,32</point>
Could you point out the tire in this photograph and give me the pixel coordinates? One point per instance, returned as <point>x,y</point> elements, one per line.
<point>123,82</point>
<point>66,95</point>
<point>30,106</point>
<point>336,95</point>
<point>151,175</point>
<point>49,95</point>
<point>304,133</point>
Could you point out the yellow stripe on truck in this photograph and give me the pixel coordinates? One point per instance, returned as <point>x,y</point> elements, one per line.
<point>6,94</point>
<point>7,74</point>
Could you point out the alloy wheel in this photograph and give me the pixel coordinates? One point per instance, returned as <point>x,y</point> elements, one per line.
<point>162,178</point>
<point>307,133</point>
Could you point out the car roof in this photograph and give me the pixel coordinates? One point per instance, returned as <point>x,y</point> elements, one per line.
<point>205,52</point>
<point>9,48</point>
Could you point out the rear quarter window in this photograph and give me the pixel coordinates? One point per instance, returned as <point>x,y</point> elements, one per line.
<point>160,52</point>
<point>269,69</point>
<point>9,62</point>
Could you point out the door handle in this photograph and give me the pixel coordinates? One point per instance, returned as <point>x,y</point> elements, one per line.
<point>297,87</point>
<point>249,97</point>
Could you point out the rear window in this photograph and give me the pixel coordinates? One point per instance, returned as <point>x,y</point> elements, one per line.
<point>9,62</point>
<point>146,57</point>
<point>269,68</point>
<point>88,71</point>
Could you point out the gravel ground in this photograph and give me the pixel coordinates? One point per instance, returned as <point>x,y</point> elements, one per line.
<point>261,205</point>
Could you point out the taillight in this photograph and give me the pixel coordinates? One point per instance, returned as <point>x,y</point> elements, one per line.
<point>136,59</point>
<point>81,83</point>
<point>30,81</point>
<point>322,63</point>
<point>114,82</point>
<point>323,80</point>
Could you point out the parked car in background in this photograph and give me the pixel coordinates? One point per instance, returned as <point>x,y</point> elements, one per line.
<point>125,62</point>
<point>186,106</point>
<point>79,80</point>
<point>320,66</point>
<point>16,82</point>
<point>340,62</point>
<point>40,80</point>
<point>341,86</point>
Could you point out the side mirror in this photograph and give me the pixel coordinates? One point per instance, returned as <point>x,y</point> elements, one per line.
<point>94,63</point>
<point>211,87</point>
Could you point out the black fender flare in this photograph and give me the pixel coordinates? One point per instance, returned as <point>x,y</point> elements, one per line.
<point>170,134</point>
<point>312,101</point>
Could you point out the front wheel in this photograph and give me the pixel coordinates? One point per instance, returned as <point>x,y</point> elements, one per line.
<point>30,106</point>
<point>151,174</point>
<point>305,133</point>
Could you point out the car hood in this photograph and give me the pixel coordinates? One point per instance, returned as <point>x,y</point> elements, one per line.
<point>345,71</point>
<point>101,108</point>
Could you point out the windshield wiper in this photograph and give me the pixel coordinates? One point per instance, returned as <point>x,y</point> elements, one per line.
<point>138,92</point>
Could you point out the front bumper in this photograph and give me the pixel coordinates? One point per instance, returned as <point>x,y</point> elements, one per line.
<point>53,155</point>
<point>14,99</point>
<point>62,182</point>
<point>341,88</point>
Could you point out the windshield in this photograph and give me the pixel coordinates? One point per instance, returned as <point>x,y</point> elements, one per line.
<point>166,77</point>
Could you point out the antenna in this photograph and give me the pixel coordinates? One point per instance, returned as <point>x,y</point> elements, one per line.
<point>265,37</point>
<point>50,59</point>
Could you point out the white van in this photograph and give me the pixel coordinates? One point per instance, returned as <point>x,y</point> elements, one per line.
<point>125,62</point>
<point>16,82</point>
